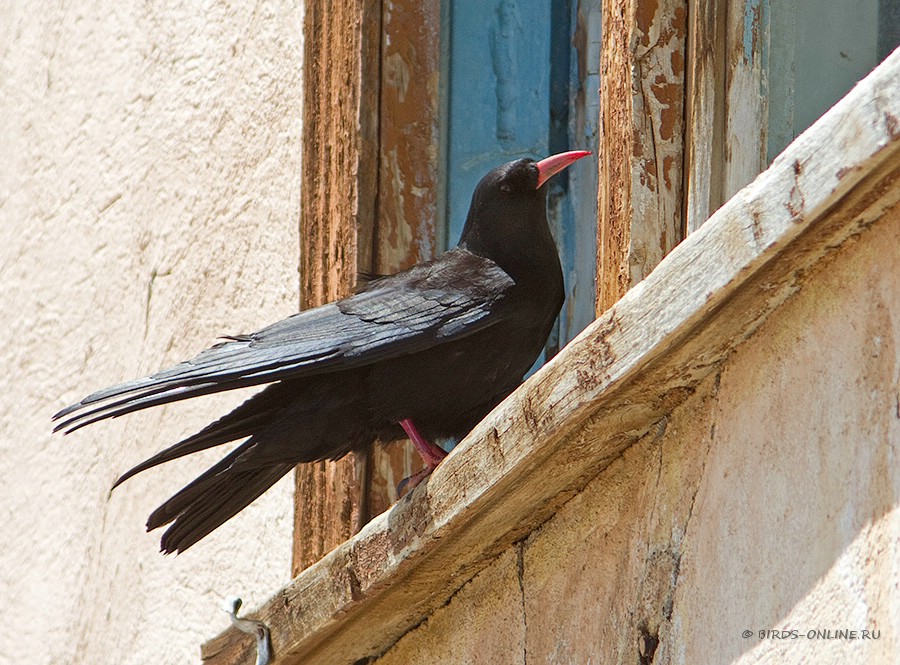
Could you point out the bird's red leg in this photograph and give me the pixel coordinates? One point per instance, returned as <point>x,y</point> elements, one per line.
<point>430,453</point>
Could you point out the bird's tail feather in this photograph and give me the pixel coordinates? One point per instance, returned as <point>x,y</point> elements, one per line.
<point>212,499</point>
<point>251,416</point>
<point>156,396</point>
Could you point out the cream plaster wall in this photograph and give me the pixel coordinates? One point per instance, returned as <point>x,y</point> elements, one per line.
<point>149,201</point>
<point>768,501</point>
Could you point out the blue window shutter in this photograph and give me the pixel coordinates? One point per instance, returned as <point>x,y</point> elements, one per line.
<point>499,99</point>
<point>515,89</point>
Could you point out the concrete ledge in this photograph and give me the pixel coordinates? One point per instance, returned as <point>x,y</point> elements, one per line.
<point>612,384</point>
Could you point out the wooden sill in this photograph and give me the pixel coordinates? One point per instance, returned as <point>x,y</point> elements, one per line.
<point>617,380</point>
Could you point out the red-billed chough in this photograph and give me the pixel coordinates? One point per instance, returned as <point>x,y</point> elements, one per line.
<point>428,351</point>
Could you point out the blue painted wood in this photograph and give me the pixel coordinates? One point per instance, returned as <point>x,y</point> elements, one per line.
<point>524,82</point>
<point>584,132</point>
<point>499,92</point>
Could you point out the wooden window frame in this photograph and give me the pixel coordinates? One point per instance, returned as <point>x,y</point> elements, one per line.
<point>371,200</point>
<point>371,105</point>
<point>673,148</point>
<point>370,135</point>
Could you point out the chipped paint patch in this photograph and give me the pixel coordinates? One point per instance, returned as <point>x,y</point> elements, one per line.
<point>645,15</point>
<point>756,15</point>
<point>396,74</point>
<point>670,95</point>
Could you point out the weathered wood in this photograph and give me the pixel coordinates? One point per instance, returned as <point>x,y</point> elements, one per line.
<point>746,99</point>
<point>578,237</point>
<point>612,384</point>
<point>373,135</point>
<point>408,151</point>
<point>727,102</point>
<point>406,231</point>
<point>641,140</point>
<point>337,219</point>
<point>705,122</point>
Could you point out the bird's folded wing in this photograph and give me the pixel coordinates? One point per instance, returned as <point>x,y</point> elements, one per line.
<point>433,303</point>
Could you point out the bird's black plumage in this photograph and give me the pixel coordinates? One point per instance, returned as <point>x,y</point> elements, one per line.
<point>439,344</point>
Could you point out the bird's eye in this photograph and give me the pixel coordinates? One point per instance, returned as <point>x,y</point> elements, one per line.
<point>505,188</point>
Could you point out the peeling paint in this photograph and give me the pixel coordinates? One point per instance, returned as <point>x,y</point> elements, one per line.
<point>677,61</point>
<point>645,15</point>
<point>408,139</point>
<point>755,16</point>
<point>670,95</point>
<point>396,74</point>
<point>668,164</point>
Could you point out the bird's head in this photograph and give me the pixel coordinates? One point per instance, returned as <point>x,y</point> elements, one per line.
<point>508,210</point>
<point>523,177</point>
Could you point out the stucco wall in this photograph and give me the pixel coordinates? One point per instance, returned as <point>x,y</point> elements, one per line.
<point>769,501</point>
<point>149,200</point>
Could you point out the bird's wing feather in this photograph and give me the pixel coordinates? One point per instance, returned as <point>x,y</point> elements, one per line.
<point>442,300</point>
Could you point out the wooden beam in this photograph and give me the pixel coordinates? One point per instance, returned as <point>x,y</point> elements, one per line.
<point>408,152</point>
<point>337,220</point>
<point>641,140</point>
<point>611,385</point>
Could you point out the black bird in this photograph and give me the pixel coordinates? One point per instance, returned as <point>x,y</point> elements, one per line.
<point>430,350</point>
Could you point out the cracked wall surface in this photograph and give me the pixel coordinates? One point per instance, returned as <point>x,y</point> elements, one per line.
<point>767,501</point>
<point>149,202</point>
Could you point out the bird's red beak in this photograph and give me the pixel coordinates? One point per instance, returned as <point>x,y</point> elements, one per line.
<point>550,166</point>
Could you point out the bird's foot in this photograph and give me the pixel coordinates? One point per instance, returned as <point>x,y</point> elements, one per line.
<point>409,483</point>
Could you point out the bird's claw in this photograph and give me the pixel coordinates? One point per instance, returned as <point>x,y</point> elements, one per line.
<point>410,482</point>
